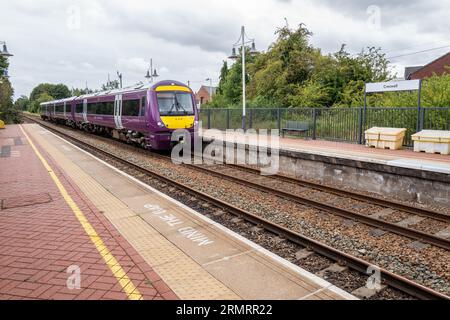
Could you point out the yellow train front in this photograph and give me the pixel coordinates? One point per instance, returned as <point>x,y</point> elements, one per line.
<point>172,106</point>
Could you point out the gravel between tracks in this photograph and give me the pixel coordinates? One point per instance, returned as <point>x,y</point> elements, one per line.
<point>428,266</point>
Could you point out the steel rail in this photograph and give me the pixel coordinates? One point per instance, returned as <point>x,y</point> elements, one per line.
<point>401,283</point>
<point>357,196</point>
<point>404,231</point>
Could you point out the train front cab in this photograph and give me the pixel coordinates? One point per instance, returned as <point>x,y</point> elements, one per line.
<point>173,107</point>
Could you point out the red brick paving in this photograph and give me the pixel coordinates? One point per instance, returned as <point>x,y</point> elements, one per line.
<point>341,147</point>
<point>39,241</point>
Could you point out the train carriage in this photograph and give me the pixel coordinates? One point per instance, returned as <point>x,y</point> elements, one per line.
<point>143,114</point>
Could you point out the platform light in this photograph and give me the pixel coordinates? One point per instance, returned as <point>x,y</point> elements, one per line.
<point>5,52</point>
<point>151,73</point>
<point>242,43</point>
<point>253,50</point>
<point>233,54</point>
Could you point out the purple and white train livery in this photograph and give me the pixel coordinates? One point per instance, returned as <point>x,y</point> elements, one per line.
<point>144,114</point>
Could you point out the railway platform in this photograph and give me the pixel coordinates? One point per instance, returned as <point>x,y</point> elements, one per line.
<point>74,227</point>
<point>405,158</point>
<point>388,173</point>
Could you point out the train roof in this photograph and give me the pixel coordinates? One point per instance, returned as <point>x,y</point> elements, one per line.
<point>135,88</point>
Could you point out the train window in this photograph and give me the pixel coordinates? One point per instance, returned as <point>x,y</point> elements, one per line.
<point>109,107</point>
<point>105,108</point>
<point>100,108</point>
<point>143,106</point>
<point>59,108</point>
<point>175,103</point>
<point>68,108</point>
<point>92,108</point>
<point>130,108</point>
<point>79,108</point>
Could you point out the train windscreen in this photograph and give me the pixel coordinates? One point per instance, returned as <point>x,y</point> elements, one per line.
<point>175,104</point>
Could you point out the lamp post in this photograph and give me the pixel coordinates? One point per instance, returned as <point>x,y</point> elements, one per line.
<point>151,73</point>
<point>4,53</point>
<point>119,74</point>
<point>242,42</point>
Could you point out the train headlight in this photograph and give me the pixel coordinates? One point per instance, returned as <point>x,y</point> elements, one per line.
<point>160,124</point>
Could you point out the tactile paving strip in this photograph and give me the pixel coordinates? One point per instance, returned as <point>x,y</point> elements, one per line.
<point>181,273</point>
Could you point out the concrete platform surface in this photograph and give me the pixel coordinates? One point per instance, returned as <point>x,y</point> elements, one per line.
<point>195,257</point>
<point>404,158</point>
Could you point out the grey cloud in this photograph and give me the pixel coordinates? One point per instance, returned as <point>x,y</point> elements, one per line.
<point>189,42</point>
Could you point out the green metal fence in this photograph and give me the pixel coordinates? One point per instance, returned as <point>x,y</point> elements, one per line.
<point>337,124</point>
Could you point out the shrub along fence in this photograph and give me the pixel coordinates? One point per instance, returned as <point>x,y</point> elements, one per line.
<point>337,124</point>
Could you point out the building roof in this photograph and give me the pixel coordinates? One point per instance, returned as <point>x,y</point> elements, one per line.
<point>209,89</point>
<point>411,70</point>
<point>436,66</point>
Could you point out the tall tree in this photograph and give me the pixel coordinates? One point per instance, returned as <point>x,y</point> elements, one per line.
<point>75,92</point>
<point>223,77</point>
<point>34,105</point>
<point>57,91</point>
<point>292,73</point>
<point>22,103</point>
<point>8,112</point>
<point>110,85</point>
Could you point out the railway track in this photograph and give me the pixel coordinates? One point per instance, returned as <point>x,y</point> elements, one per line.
<point>235,174</point>
<point>401,283</point>
<point>357,196</point>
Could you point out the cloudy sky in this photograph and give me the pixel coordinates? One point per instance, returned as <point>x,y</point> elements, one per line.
<point>83,40</point>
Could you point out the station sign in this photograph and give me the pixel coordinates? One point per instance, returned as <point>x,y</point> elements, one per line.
<point>406,85</point>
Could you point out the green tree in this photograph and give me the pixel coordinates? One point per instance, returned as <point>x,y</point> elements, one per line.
<point>223,77</point>
<point>110,85</point>
<point>75,92</point>
<point>3,65</point>
<point>8,112</point>
<point>292,73</point>
<point>310,94</point>
<point>277,74</point>
<point>57,91</point>
<point>34,106</point>
<point>22,103</point>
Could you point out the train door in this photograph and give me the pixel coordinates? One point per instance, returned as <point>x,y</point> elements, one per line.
<point>85,110</point>
<point>64,110</point>
<point>118,111</point>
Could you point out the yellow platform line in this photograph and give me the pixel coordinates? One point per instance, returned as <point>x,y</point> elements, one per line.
<point>127,285</point>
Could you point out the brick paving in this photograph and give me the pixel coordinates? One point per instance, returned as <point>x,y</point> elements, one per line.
<point>346,149</point>
<point>40,237</point>
<point>342,147</point>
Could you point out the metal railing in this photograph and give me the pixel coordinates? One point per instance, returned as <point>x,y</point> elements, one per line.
<point>336,124</point>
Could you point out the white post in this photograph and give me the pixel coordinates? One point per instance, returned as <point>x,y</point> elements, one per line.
<point>210,89</point>
<point>151,70</point>
<point>243,76</point>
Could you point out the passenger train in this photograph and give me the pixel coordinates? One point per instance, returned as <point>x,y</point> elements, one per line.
<point>144,114</point>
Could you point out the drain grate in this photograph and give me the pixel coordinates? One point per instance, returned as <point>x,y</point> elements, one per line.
<point>18,141</point>
<point>5,152</point>
<point>25,200</point>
